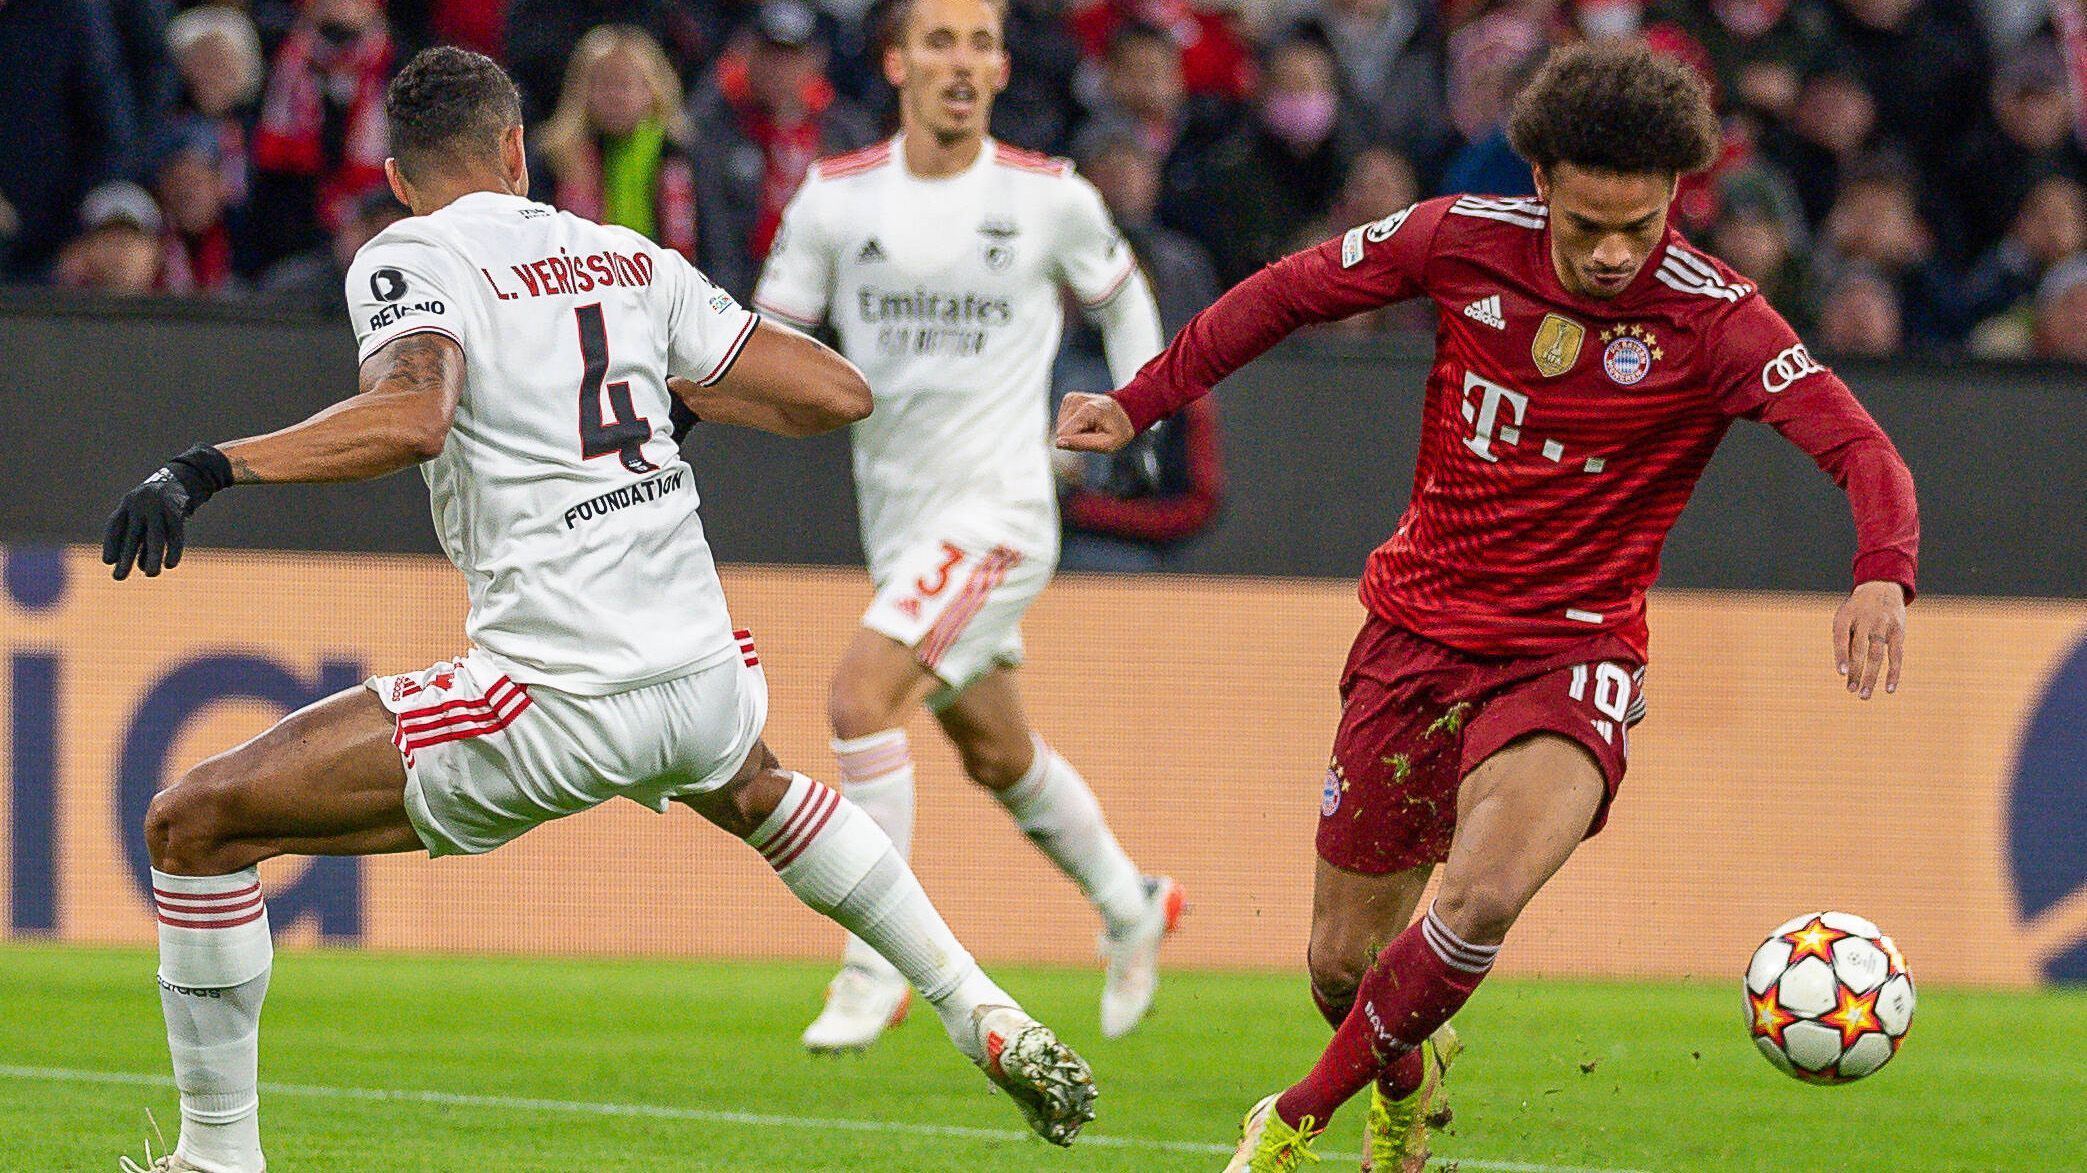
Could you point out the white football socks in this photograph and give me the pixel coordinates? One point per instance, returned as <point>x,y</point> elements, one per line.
<point>877,776</point>
<point>1054,807</point>
<point>214,958</point>
<point>841,864</point>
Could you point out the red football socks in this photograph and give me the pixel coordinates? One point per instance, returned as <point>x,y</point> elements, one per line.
<point>1422,978</point>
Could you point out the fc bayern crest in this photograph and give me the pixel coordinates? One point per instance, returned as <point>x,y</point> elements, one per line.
<point>1630,353</point>
<point>1330,796</point>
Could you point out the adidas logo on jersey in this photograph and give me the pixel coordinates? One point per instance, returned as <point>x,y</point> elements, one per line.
<point>871,251</point>
<point>1487,310</point>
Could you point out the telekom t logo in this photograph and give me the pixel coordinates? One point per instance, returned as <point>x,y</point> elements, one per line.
<point>1483,414</point>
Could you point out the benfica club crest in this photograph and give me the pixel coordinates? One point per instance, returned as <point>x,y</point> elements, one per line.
<point>1557,345</point>
<point>1629,353</point>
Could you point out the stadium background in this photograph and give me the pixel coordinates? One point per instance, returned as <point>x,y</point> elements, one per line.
<point>1903,177</point>
<point>1200,705</point>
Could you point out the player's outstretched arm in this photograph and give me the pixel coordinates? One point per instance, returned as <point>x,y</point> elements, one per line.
<point>782,382</point>
<point>399,418</point>
<point>1760,370</point>
<point>1371,265</point>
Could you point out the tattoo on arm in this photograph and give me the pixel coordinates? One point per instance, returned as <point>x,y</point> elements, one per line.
<point>398,391</point>
<point>414,364</point>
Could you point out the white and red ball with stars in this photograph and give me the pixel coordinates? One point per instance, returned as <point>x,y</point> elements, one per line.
<point>1829,998</point>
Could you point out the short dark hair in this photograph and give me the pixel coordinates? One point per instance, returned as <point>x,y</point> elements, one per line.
<point>447,103</point>
<point>1617,107</point>
<point>891,24</point>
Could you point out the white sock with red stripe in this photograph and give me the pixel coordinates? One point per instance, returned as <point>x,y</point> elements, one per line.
<point>840,863</point>
<point>1053,805</point>
<point>214,958</point>
<point>877,776</point>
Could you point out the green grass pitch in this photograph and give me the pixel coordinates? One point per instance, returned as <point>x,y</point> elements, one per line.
<point>532,1064</point>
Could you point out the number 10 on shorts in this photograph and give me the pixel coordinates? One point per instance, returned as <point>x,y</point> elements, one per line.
<point>1611,694</point>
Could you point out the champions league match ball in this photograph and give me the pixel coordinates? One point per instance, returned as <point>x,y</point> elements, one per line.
<point>1828,998</point>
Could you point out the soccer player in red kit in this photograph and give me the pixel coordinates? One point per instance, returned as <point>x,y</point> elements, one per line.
<point>1588,361</point>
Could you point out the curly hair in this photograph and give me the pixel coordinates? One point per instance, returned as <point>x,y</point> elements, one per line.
<point>449,104</point>
<point>1618,107</point>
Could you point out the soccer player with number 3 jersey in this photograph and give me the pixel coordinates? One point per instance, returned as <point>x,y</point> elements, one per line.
<point>1588,361</point>
<point>938,258</point>
<point>529,362</point>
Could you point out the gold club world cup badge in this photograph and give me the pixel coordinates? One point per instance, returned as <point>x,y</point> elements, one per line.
<point>1629,353</point>
<point>1557,345</point>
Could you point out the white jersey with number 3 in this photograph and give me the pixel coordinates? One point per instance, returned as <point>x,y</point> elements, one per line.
<point>945,292</point>
<point>560,493</point>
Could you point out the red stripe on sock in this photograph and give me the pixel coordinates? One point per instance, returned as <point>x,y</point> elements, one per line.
<point>185,923</point>
<point>817,810</point>
<point>207,910</point>
<point>797,819</point>
<point>868,764</point>
<point>811,834</point>
<point>235,894</point>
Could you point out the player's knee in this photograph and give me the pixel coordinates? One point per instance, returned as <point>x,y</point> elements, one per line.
<point>186,824</point>
<point>1481,912</point>
<point>856,712</point>
<point>995,764</point>
<point>1337,966</point>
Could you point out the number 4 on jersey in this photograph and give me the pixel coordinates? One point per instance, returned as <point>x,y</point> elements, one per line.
<point>623,432</point>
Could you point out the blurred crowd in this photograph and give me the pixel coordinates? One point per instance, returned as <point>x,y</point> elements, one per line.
<point>1900,176</point>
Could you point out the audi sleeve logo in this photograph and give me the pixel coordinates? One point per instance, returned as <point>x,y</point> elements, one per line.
<point>1787,368</point>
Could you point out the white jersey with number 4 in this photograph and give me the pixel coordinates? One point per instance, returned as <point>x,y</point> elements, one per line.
<point>945,292</point>
<point>560,493</point>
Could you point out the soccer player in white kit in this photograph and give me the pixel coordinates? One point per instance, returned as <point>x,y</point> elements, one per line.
<point>938,257</point>
<point>529,362</point>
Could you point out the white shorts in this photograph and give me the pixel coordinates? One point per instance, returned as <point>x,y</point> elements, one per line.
<point>959,606</point>
<point>488,758</point>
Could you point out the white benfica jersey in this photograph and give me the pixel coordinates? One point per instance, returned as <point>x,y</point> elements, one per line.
<point>560,493</point>
<point>945,292</point>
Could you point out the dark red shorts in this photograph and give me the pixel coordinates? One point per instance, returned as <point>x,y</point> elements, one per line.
<point>1417,716</point>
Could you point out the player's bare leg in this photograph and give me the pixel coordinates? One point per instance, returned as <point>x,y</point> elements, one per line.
<point>876,687</point>
<point>1354,915</point>
<point>836,859</point>
<point>325,780</point>
<point>1520,815</point>
<point>1053,805</point>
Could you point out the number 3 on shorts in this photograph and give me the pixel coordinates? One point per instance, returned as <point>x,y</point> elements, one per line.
<point>951,558</point>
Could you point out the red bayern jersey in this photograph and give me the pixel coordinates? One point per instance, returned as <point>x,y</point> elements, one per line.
<point>1561,434</point>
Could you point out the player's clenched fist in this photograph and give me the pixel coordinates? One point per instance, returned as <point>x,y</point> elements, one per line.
<point>1869,637</point>
<point>1093,423</point>
<point>147,525</point>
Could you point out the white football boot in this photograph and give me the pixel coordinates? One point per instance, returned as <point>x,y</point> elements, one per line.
<point>1133,958</point>
<point>171,1163</point>
<point>860,1006</point>
<point>167,1164</point>
<point>1052,1086</point>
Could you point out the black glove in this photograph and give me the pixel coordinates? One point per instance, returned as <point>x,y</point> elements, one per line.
<point>147,525</point>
